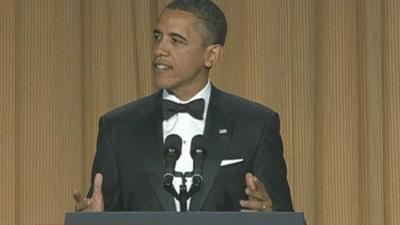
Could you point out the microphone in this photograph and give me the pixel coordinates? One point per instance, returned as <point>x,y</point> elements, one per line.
<point>171,151</point>
<point>198,153</point>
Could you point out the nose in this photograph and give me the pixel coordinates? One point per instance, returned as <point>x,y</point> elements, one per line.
<point>161,48</point>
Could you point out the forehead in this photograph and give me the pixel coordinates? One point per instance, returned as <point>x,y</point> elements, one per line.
<point>176,21</point>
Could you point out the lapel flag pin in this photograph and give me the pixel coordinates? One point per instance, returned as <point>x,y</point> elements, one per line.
<point>223,131</point>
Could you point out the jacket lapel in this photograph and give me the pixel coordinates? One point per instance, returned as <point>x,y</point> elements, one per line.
<point>150,139</point>
<point>217,134</point>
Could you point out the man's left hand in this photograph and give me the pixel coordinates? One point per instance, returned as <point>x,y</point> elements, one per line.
<point>259,199</point>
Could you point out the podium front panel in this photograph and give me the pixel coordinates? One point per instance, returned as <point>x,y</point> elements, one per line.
<point>187,218</point>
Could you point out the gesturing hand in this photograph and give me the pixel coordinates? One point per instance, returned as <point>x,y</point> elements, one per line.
<point>93,204</point>
<point>259,199</point>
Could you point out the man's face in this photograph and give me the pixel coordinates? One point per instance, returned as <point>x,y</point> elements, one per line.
<point>179,54</point>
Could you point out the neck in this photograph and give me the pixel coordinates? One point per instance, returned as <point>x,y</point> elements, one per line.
<point>186,93</point>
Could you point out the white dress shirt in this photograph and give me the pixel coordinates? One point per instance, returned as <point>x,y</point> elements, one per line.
<point>185,126</point>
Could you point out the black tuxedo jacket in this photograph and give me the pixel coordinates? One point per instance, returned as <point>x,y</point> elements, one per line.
<point>129,155</point>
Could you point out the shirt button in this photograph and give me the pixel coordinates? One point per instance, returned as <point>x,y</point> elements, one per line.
<point>184,142</point>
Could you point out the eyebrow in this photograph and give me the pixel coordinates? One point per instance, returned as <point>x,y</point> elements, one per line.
<point>155,31</point>
<point>173,34</point>
<point>178,36</point>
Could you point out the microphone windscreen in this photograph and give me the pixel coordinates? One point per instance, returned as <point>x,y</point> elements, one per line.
<point>197,146</point>
<point>173,144</point>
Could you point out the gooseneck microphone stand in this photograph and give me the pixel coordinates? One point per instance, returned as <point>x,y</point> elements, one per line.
<point>172,152</point>
<point>184,194</point>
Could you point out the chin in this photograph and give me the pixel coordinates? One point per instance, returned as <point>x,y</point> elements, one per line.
<point>163,84</point>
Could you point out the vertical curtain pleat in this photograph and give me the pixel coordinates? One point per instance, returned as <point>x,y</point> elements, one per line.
<point>391,83</point>
<point>8,155</point>
<point>337,136</point>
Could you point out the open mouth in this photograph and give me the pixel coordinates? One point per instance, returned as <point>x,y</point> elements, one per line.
<point>161,67</point>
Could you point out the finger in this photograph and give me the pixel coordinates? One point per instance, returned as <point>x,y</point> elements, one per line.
<point>97,202</point>
<point>249,181</point>
<point>248,204</point>
<point>260,186</point>
<point>77,196</point>
<point>255,195</point>
<point>256,205</point>
<point>98,180</point>
<point>82,205</point>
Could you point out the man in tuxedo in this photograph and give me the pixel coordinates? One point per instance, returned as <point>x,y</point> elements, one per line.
<point>244,167</point>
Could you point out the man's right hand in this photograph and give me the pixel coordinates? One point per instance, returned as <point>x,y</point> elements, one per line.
<point>93,204</point>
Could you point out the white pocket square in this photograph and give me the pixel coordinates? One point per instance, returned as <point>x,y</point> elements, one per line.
<point>230,161</point>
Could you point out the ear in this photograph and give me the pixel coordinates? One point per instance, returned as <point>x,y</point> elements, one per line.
<point>212,55</point>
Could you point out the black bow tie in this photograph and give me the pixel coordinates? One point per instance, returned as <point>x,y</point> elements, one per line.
<point>194,108</point>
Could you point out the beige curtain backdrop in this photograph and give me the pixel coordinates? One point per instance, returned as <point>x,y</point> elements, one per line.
<point>331,68</point>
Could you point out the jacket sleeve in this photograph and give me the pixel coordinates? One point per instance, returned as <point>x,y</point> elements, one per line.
<point>105,163</point>
<point>269,165</point>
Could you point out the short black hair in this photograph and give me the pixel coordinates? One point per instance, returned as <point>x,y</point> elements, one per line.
<point>209,14</point>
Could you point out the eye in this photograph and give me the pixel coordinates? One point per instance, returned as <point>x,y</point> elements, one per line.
<point>157,36</point>
<point>178,41</point>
